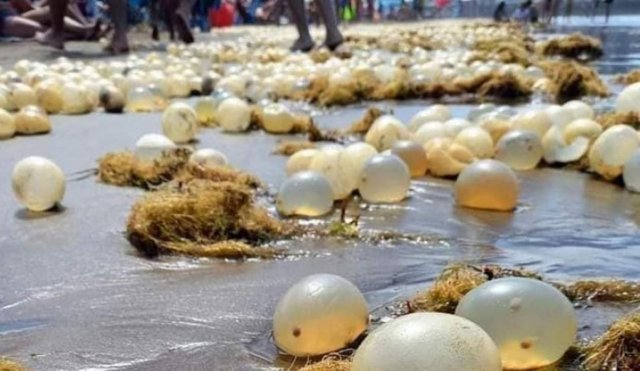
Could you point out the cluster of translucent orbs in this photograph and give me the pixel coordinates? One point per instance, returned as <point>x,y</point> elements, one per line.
<point>151,147</point>
<point>435,113</point>
<point>141,99</point>
<point>629,99</point>
<point>612,149</point>
<point>532,323</point>
<point>234,114</point>
<point>112,99</point>
<point>430,130</point>
<point>489,185</point>
<point>208,157</point>
<point>521,150</point>
<point>537,121</point>
<point>413,156</point>
<point>328,163</point>
<point>180,123</point>
<point>276,118</point>
<point>38,183</point>
<point>428,342</point>
<point>385,131</point>
<point>320,314</point>
<point>305,193</point>
<point>446,158</point>
<point>7,125</point>
<point>32,120</point>
<point>300,160</point>
<point>384,179</point>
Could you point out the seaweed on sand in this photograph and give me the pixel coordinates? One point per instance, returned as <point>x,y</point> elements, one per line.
<point>571,80</point>
<point>613,118</point>
<point>629,78</point>
<point>329,364</point>
<point>9,365</point>
<point>574,46</point>
<point>290,147</point>
<point>363,125</point>
<point>617,349</point>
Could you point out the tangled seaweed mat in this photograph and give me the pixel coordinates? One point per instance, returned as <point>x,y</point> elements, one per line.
<point>571,80</point>
<point>629,78</point>
<point>9,365</point>
<point>618,348</point>
<point>329,365</point>
<point>576,46</point>
<point>611,118</point>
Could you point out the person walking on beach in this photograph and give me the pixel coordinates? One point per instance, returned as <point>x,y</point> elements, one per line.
<point>607,9</point>
<point>305,43</point>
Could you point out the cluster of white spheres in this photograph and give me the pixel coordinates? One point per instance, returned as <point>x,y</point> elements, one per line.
<point>328,163</point>
<point>612,149</point>
<point>319,314</point>
<point>487,184</point>
<point>180,123</point>
<point>521,150</point>
<point>428,342</point>
<point>38,183</point>
<point>437,113</point>
<point>385,131</point>
<point>384,179</point>
<point>532,323</point>
<point>150,147</point>
<point>629,99</point>
<point>208,157</point>
<point>234,114</point>
<point>558,149</point>
<point>305,193</point>
<point>32,120</point>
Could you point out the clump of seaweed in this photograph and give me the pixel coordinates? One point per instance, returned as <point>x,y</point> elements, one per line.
<point>363,125</point>
<point>505,51</point>
<point>329,364</point>
<point>9,365</point>
<point>617,349</point>
<point>571,80</point>
<point>601,291</point>
<point>123,169</point>
<point>576,46</point>
<point>289,147</point>
<point>505,86</point>
<point>612,118</point>
<point>630,78</point>
<point>203,218</point>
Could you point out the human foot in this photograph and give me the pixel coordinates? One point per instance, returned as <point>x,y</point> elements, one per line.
<point>334,41</point>
<point>119,44</point>
<point>184,31</point>
<point>302,45</point>
<point>51,39</point>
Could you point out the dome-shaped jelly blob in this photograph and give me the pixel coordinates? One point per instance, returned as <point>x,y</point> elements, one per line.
<point>352,161</point>
<point>151,147</point>
<point>32,120</point>
<point>579,109</point>
<point>454,126</point>
<point>277,118</point>
<point>631,172</point>
<point>300,160</point>
<point>180,123</point>
<point>75,98</point>
<point>430,130</point>
<point>413,156</point>
<point>428,342</point>
<point>489,185</point>
<point>537,121</point>
<point>560,116</point>
<point>234,114</point>
<point>477,140</point>
<point>22,95</point>
<point>327,162</point>
<point>38,183</point>
<point>582,128</point>
<point>436,113</point>
<point>208,157</point>
<point>612,149</point>
<point>385,131</point>
<point>7,125</point>
<point>305,193</point>
<point>495,124</point>
<point>521,150</point>
<point>320,314</point>
<point>140,99</point>
<point>49,96</point>
<point>384,179</point>
<point>206,110</point>
<point>480,110</point>
<point>532,323</point>
<point>112,99</point>
<point>629,99</point>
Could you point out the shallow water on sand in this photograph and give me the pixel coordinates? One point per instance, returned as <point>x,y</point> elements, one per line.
<point>75,296</point>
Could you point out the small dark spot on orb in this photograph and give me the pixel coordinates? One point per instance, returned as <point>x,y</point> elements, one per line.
<point>296,332</point>
<point>526,344</point>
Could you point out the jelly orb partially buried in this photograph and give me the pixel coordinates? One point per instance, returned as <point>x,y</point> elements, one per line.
<point>305,193</point>
<point>384,179</point>
<point>151,147</point>
<point>532,323</point>
<point>521,150</point>
<point>428,342</point>
<point>320,314</point>
<point>489,185</point>
<point>38,183</point>
<point>208,157</point>
<point>180,123</point>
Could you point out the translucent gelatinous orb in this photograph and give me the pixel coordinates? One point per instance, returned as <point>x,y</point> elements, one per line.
<point>7,125</point>
<point>352,161</point>
<point>327,162</point>
<point>32,120</point>
<point>179,122</point>
<point>445,158</point>
<point>385,131</point>
<point>629,99</point>
<point>521,150</point>
<point>433,113</point>
<point>560,116</point>
<point>631,173</point>
<point>384,179</point>
<point>428,342</point>
<point>112,99</point>
<point>321,313</point>
<point>22,95</point>
<point>300,160</point>
<point>487,184</point>
<point>430,130</point>
<point>305,193</point>
<point>612,149</point>
<point>75,98</point>
<point>140,99</point>
<point>532,322</point>
<point>234,114</point>
<point>49,96</point>
<point>38,183</point>
<point>277,118</point>
<point>454,126</point>
<point>477,140</point>
<point>495,124</point>
<point>208,157</point>
<point>536,121</point>
<point>480,110</point>
<point>579,109</point>
<point>151,146</point>
<point>582,128</point>
<point>206,110</point>
<point>413,156</point>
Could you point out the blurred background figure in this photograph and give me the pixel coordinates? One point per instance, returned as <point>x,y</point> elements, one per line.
<point>327,10</point>
<point>500,14</point>
<point>607,8</point>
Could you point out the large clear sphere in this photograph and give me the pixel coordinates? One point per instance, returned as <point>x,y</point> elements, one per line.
<point>300,160</point>
<point>413,156</point>
<point>305,193</point>
<point>208,157</point>
<point>206,110</point>
<point>38,183</point>
<point>532,322</point>
<point>140,99</point>
<point>629,99</point>
<point>477,140</point>
<point>180,123</point>
<point>487,184</point>
<point>320,314</point>
<point>353,159</point>
<point>579,109</point>
<point>150,147</point>
<point>234,114</point>
<point>521,150</point>
<point>385,131</point>
<point>277,118</point>
<point>49,96</point>
<point>384,179</point>
<point>428,342</point>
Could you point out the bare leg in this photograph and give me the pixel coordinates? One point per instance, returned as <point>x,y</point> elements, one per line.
<point>299,14</point>
<point>55,35</point>
<point>154,20</point>
<point>181,19</point>
<point>328,12</point>
<point>119,42</point>
<point>78,30</point>
<point>17,26</point>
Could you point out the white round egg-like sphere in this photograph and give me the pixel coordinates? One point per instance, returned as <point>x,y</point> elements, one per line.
<point>49,96</point>
<point>320,314</point>
<point>301,160</point>
<point>631,173</point>
<point>208,157</point>
<point>277,118</point>
<point>413,156</point>
<point>521,150</point>
<point>532,323</point>
<point>179,86</point>
<point>7,125</point>
<point>582,128</point>
<point>629,99</point>
<point>430,130</point>
<point>150,147</point>
<point>477,140</point>
<point>446,158</point>
<point>75,98</point>
<point>32,120</point>
<point>430,114</point>
<point>353,159</point>
<point>385,131</point>
<point>38,183</point>
<point>537,121</point>
<point>206,110</point>
<point>579,110</point>
<point>140,99</point>
<point>234,114</point>
<point>180,123</point>
<point>489,185</point>
<point>476,112</point>
<point>495,124</point>
<point>560,116</point>
<point>384,179</point>
<point>22,95</point>
<point>328,163</point>
<point>557,149</point>
<point>454,126</point>
<point>612,149</point>
<point>428,342</point>
<point>305,193</point>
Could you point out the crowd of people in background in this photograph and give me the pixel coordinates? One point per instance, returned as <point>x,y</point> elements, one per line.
<point>52,22</point>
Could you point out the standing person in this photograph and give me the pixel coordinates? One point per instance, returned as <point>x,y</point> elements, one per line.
<point>523,12</point>
<point>607,9</point>
<point>305,43</point>
<point>500,14</point>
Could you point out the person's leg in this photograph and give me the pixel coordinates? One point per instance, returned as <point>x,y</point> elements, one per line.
<point>327,11</point>
<point>119,42</point>
<point>181,18</point>
<point>607,10</point>
<point>55,35</point>
<point>153,19</point>
<point>17,26</point>
<point>299,15</point>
